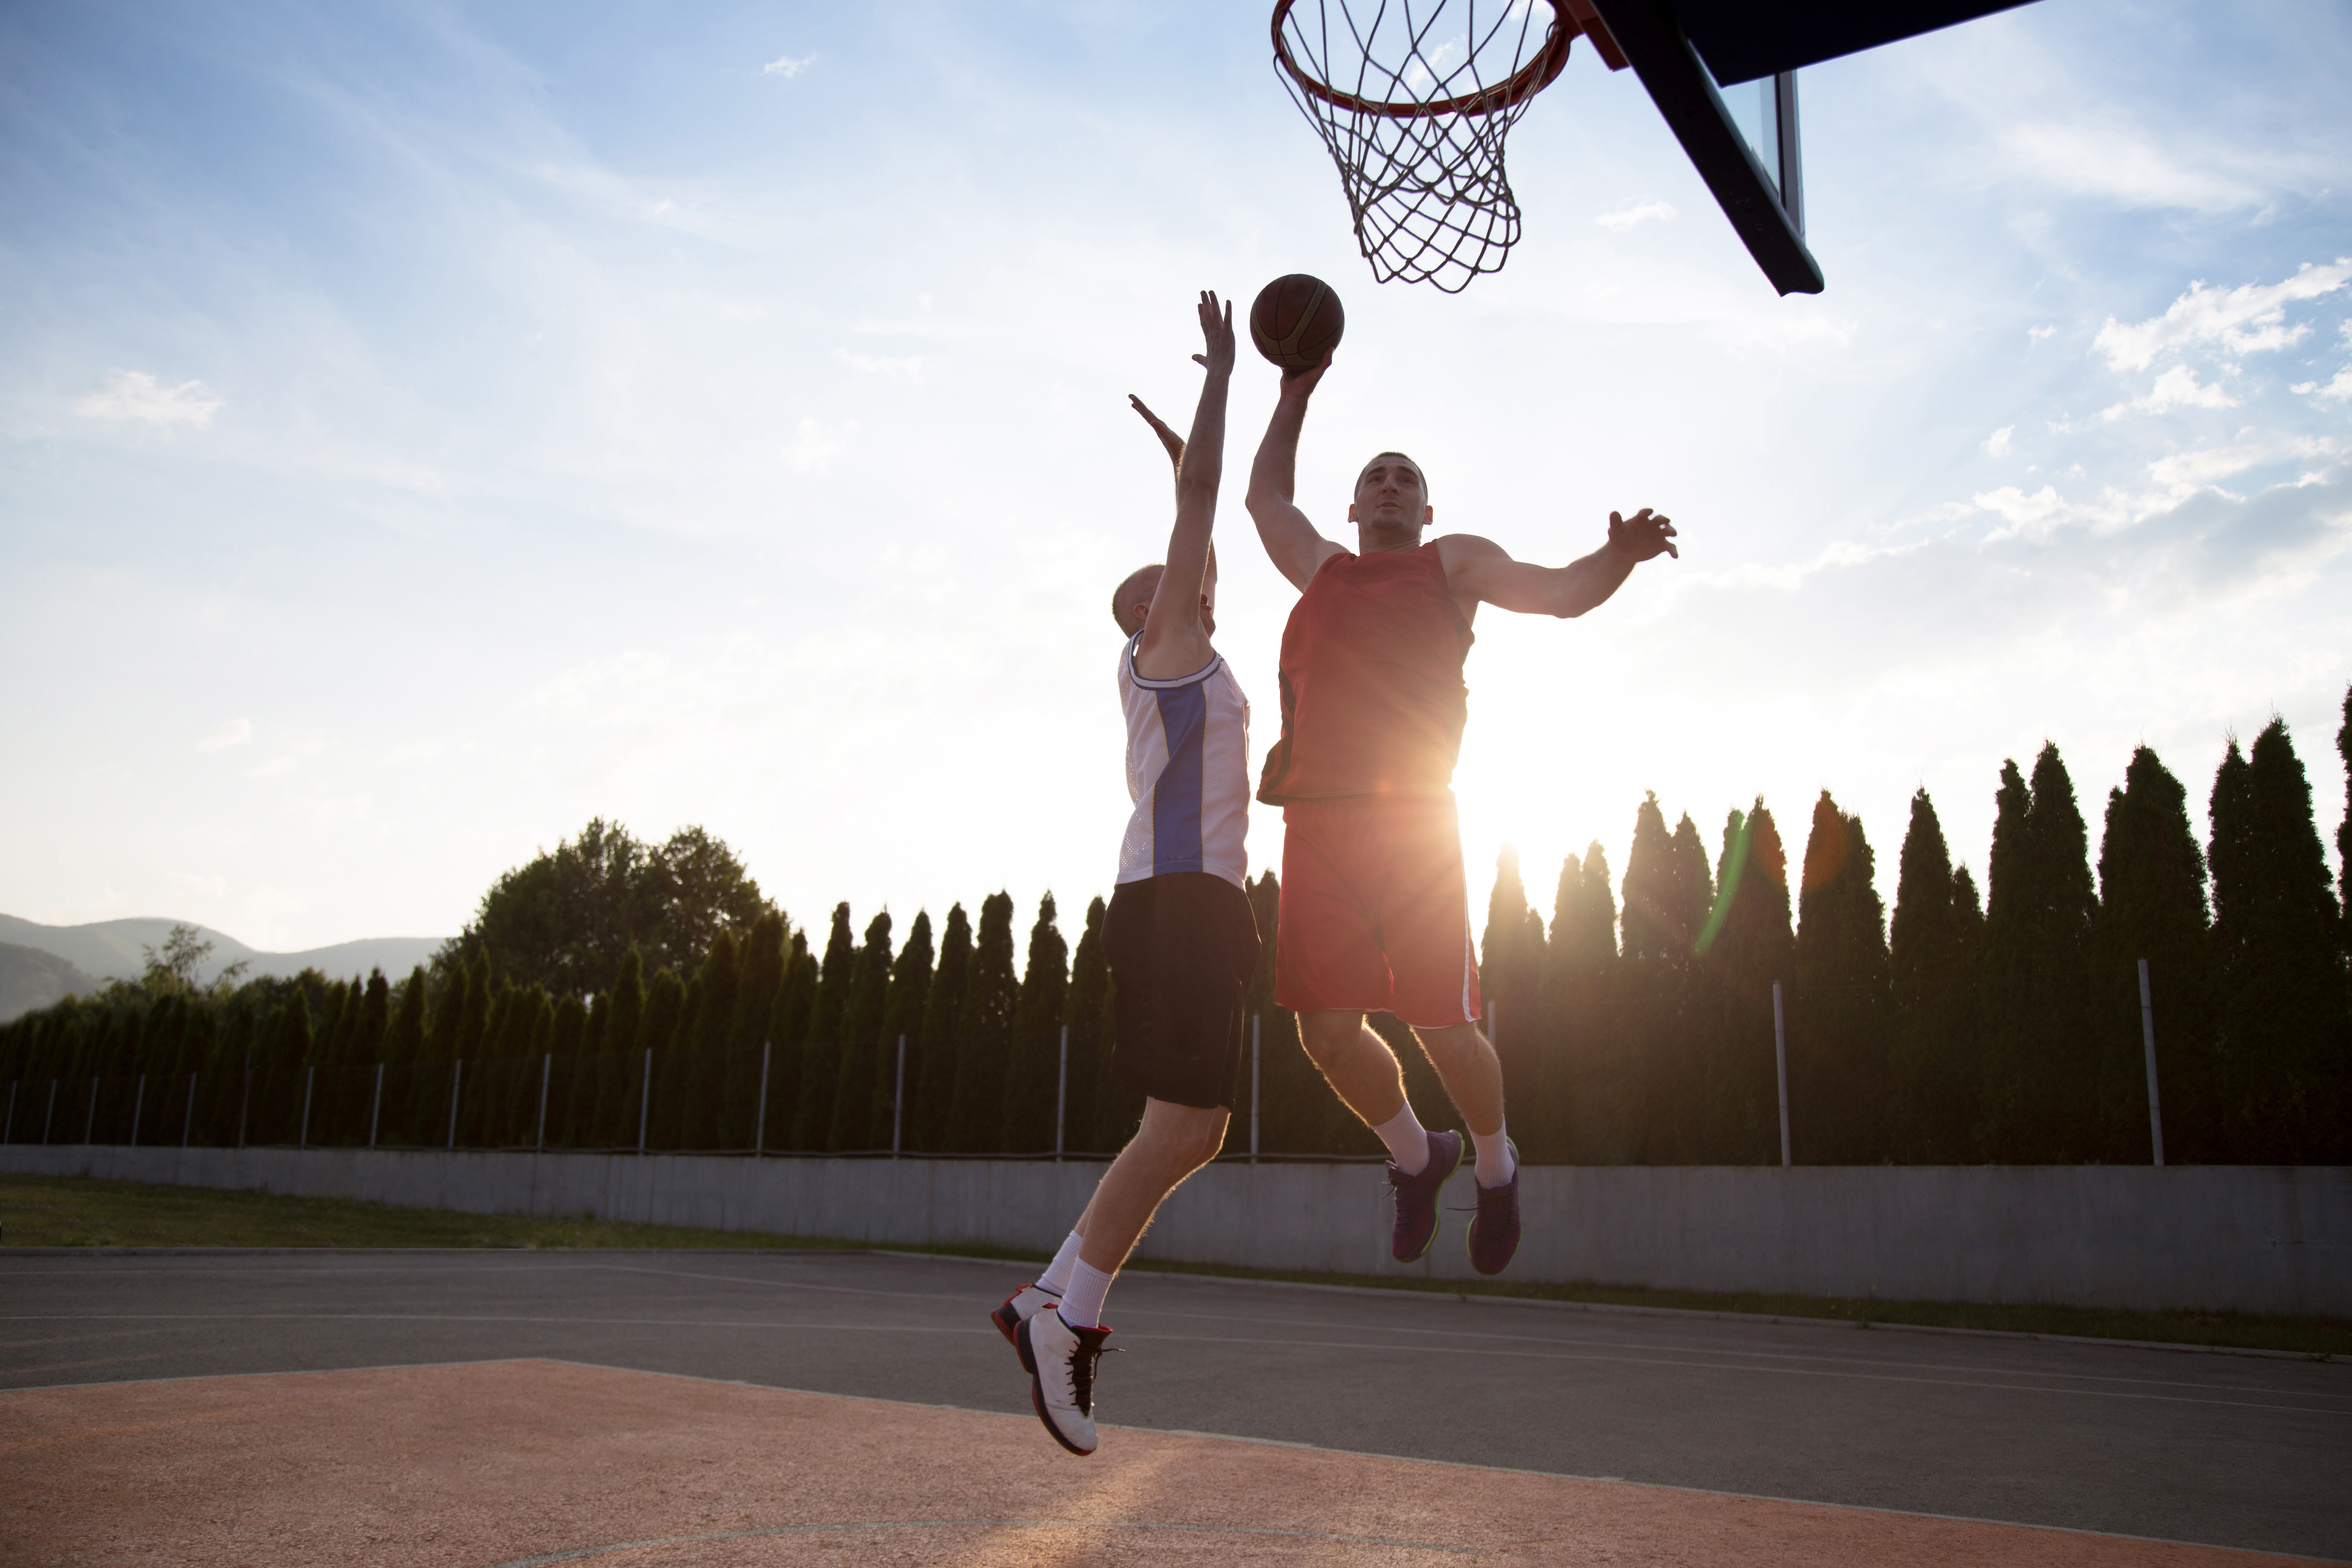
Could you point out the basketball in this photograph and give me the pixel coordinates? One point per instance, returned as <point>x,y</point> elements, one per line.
<point>1295,320</point>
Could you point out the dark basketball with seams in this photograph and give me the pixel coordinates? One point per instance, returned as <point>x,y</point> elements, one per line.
<point>1295,320</point>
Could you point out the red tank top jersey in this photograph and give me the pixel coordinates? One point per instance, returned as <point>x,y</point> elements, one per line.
<point>1372,699</point>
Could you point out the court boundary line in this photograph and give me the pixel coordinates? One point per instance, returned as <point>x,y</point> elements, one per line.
<point>1209,1436</point>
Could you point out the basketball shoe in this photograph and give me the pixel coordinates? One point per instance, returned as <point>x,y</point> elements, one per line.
<point>1494,1229</point>
<point>1019,1308</point>
<point>1062,1379</point>
<point>1416,1198</point>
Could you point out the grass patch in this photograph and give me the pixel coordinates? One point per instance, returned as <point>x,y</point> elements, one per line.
<point>76,1211</point>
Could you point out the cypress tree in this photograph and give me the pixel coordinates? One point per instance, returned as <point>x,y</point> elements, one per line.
<point>657,1031</point>
<point>1935,1075</point>
<point>1510,983</point>
<point>787,1031</point>
<point>2344,829</point>
<point>619,1069</point>
<point>2152,906</point>
<point>1680,1093</point>
<point>1659,934</point>
<point>719,983</point>
<point>942,1012</point>
<point>2041,1067</point>
<point>473,1028</point>
<point>291,1039</point>
<point>983,1030</point>
<point>1746,944</point>
<point>852,1128</point>
<point>902,1021</point>
<point>567,1045</point>
<point>1086,1013</point>
<point>1297,1113</point>
<point>1583,1096</point>
<point>375,1019</point>
<point>1837,1028</point>
<point>764,955</point>
<point>669,1126</point>
<point>1034,1065</point>
<point>2279,963</point>
<point>821,1054</point>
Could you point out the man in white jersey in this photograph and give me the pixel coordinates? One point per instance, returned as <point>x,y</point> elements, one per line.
<point>1179,936</point>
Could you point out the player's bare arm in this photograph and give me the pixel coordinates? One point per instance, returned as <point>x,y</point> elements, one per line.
<point>1291,542</point>
<point>1168,438</point>
<point>1177,628</point>
<point>1480,570</point>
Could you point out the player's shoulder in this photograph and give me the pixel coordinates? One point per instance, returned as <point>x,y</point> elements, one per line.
<point>1459,550</point>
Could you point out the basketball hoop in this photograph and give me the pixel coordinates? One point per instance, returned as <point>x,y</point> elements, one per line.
<point>1414,106</point>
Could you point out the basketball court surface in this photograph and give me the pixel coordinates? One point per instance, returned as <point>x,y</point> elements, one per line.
<point>671,1408</point>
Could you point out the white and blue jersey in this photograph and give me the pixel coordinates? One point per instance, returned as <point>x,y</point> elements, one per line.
<point>1187,772</point>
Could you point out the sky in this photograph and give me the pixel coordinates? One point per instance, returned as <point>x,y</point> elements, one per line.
<point>425,428</point>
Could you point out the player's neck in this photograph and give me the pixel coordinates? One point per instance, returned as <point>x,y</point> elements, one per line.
<point>1371,541</point>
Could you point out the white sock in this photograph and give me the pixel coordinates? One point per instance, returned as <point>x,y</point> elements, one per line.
<point>1082,1303</point>
<point>1408,1140</point>
<point>1057,1278</point>
<point>1494,1162</point>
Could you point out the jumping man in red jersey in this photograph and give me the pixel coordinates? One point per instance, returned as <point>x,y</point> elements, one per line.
<point>1375,911</point>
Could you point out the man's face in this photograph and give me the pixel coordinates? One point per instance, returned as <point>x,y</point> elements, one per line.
<point>1390,499</point>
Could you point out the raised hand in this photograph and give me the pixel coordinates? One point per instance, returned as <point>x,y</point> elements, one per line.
<point>1168,438</point>
<point>1644,535</point>
<point>1218,328</point>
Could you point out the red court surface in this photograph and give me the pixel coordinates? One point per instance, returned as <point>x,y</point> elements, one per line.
<point>515,1462</point>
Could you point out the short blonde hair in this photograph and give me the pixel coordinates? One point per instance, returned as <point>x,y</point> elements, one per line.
<point>1136,584</point>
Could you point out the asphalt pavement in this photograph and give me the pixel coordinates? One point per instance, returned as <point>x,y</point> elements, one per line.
<point>2227,1450</point>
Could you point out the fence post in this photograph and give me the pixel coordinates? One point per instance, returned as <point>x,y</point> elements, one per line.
<point>50,1114</point>
<point>2148,1044</point>
<point>456,1076</point>
<point>1781,1061</point>
<point>899,1094</point>
<point>1062,1092</point>
<point>546,1065</point>
<point>188,1113</point>
<point>645,1098</point>
<point>760,1117</point>
<point>137,1105</point>
<point>1256,1019</point>
<point>245,1100</point>
<point>310,1076</point>
<point>375,1111</point>
<point>89,1123</point>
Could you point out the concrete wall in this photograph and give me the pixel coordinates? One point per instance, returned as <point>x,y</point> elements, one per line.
<point>2273,1239</point>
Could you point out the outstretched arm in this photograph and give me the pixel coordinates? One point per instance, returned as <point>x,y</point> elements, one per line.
<point>1175,635</point>
<point>1290,541</point>
<point>1168,438</point>
<point>1482,571</point>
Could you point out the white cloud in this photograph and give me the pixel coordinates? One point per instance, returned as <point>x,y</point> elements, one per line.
<point>1997,444</point>
<point>2244,321</point>
<point>133,394</point>
<point>1634,213</point>
<point>910,366</point>
<point>273,768</point>
<point>786,66</point>
<point>2121,164</point>
<point>814,445</point>
<point>2040,334</point>
<point>236,732</point>
<point>2175,388</point>
<point>2339,389</point>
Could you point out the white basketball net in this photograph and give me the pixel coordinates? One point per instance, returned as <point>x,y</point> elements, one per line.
<point>1414,104</point>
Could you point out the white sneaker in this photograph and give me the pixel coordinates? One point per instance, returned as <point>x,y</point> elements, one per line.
<point>1062,1377</point>
<point>1019,1308</point>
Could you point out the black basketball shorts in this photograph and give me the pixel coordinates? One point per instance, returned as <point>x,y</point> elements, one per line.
<point>1181,948</point>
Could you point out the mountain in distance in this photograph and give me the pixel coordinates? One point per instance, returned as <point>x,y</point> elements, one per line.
<point>112,950</point>
<point>30,979</point>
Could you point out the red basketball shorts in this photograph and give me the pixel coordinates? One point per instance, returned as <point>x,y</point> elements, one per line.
<point>1375,911</point>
